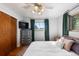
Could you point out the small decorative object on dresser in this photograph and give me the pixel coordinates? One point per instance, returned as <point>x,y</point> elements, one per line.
<point>56,38</point>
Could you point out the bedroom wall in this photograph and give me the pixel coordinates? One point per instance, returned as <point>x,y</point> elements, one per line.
<point>55,26</point>
<point>14,14</point>
<point>59,25</point>
<point>52,28</point>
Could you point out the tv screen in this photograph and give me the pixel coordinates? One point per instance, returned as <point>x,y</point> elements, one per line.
<point>23,25</point>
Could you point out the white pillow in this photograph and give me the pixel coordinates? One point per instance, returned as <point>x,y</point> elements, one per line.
<point>62,38</point>
<point>60,43</point>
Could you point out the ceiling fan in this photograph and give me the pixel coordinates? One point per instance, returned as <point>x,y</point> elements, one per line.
<point>37,7</point>
<point>29,5</point>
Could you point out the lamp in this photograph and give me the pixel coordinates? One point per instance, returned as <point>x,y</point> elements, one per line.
<point>37,8</point>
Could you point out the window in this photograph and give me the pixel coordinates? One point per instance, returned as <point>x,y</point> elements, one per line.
<point>39,25</point>
<point>75,23</point>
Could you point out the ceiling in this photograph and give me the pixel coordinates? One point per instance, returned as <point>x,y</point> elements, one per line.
<point>56,10</point>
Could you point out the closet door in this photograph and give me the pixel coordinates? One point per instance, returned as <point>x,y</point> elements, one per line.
<point>5,28</point>
<point>7,33</point>
<point>13,33</point>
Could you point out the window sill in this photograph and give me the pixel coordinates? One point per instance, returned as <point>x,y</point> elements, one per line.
<point>74,30</point>
<point>39,29</point>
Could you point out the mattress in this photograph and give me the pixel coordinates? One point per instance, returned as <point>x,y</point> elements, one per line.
<point>46,48</point>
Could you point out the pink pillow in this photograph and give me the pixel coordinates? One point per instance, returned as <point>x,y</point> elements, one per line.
<point>68,44</point>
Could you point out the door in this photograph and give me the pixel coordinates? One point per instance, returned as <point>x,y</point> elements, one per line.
<point>13,33</point>
<point>4,34</point>
<point>7,33</point>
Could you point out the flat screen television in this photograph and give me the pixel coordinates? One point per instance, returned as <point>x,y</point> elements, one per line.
<point>23,25</point>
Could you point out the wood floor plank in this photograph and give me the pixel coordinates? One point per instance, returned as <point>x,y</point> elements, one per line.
<point>18,51</point>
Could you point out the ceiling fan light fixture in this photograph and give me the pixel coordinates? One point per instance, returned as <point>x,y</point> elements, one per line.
<point>42,9</point>
<point>37,8</point>
<point>33,12</point>
<point>39,13</point>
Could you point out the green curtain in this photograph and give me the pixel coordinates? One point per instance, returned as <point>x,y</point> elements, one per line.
<point>46,21</point>
<point>32,22</point>
<point>65,25</point>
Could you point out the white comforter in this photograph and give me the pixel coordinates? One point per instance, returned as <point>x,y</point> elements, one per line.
<point>46,48</point>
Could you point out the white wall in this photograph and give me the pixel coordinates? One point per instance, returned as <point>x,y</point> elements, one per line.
<point>14,14</point>
<point>60,25</point>
<point>52,28</point>
<point>55,26</point>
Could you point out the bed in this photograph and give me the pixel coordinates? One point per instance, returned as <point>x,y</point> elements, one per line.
<point>46,48</point>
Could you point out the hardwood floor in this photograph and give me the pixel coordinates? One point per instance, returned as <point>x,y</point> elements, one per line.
<point>18,51</point>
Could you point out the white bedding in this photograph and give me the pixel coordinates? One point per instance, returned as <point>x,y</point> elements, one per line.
<point>46,48</point>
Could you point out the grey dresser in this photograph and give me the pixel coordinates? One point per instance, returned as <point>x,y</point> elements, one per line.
<point>26,37</point>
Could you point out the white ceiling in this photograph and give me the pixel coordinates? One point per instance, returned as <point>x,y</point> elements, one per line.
<point>56,10</point>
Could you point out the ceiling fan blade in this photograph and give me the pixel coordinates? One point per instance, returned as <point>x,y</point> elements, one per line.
<point>27,5</point>
<point>48,7</point>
